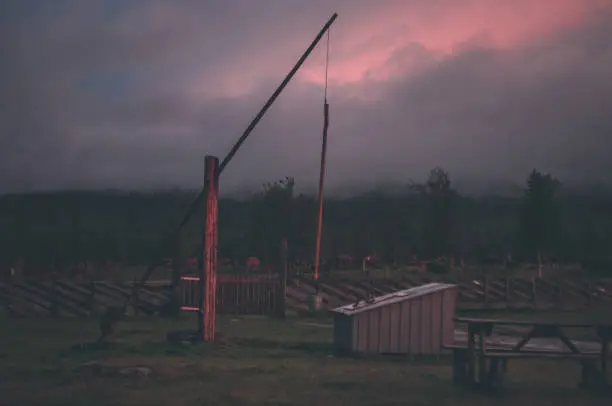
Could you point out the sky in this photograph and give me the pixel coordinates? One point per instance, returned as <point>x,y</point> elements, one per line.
<point>133,94</point>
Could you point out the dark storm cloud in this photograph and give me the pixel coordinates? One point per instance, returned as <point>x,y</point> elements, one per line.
<point>136,95</point>
<point>502,112</point>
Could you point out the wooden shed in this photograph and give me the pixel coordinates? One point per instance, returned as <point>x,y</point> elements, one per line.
<point>415,321</point>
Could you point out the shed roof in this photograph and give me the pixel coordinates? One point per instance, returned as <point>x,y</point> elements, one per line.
<point>395,297</point>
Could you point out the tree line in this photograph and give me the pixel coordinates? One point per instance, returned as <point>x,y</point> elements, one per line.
<point>424,220</point>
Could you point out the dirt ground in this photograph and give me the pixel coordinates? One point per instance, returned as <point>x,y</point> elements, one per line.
<point>256,361</point>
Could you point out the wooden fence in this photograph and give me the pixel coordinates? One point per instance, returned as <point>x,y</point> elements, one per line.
<point>61,298</point>
<point>237,294</point>
<point>475,292</point>
<point>263,294</point>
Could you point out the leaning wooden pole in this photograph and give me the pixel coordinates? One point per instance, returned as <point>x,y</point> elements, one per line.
<point>170,238</point>
<point>277,93</point>
<point>208,267</point>
<point>195,203</point>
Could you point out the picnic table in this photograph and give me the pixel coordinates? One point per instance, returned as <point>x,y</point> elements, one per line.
<point>482,364</point>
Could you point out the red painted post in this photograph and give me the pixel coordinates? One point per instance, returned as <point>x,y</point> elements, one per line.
<point>208,269</point>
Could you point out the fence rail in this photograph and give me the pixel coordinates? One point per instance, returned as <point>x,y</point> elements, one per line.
<point>484,291</point>
<point>236,294</point>
<point>263,294</point>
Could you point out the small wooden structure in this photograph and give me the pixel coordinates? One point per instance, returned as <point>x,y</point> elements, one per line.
<point>415,321</point>
<point>482,363</point>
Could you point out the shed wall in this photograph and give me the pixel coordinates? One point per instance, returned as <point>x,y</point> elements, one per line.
<point>416,326</point>
<point>343,332</point>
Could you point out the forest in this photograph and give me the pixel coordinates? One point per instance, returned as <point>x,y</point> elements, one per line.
<point>421,221</point>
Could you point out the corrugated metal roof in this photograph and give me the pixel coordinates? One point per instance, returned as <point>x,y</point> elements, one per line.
<point>395,297</point>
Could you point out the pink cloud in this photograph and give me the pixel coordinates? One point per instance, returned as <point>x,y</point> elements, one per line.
<point>368,36</point>
<point>363,49</point>
<point>521,74</point>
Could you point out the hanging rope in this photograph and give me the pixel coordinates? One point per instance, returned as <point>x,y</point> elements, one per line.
<point>322,173</point>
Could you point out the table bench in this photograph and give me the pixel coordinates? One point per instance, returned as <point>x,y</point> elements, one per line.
<point>483,365</point>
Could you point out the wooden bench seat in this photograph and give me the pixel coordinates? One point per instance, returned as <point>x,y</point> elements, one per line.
<point>504,351</point>
<point>540,354</point>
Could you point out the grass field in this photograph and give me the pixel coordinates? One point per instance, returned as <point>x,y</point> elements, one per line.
<point>256,361</point>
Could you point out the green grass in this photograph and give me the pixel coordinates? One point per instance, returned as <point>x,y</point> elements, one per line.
<point>255,361</point>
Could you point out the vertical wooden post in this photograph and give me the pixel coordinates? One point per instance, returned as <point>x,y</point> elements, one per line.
<point>135,299</point>
<point>282,293</point>
<point>485,290</point>
<point>208,269</point>
<point>534,292</point>
<point>321,185</point>
<point>91,300</point>
<point>507,289</point>
<point>177,272</point>
<point>10,292</point>
<point>588,289</point>
<point>54,295</point>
